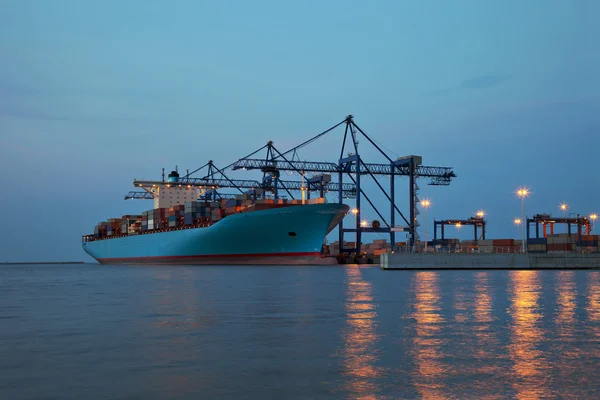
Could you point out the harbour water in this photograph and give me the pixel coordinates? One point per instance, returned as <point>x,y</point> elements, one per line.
<point>323,332</point>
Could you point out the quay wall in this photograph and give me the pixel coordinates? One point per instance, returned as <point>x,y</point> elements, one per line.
<point>488,261</point>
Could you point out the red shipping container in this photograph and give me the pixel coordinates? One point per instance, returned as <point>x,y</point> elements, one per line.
<point>504,242</point>
<point>559,247</point>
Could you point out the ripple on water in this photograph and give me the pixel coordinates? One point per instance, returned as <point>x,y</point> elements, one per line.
<point>297,332</point>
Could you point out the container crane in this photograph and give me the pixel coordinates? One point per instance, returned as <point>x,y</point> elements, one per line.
<point>475,222</point>
<point>354,167</point>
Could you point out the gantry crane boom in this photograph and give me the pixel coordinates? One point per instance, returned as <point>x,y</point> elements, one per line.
<point>207,183</point>
<point>439,175</point>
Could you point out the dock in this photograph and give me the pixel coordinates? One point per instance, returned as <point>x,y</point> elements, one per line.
<point>458,261</point>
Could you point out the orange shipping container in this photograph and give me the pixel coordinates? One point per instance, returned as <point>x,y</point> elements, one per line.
<point>504,242</point>
<point>559,247</point>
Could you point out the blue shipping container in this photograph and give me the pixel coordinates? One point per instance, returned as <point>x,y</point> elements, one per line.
<point>536,241</point>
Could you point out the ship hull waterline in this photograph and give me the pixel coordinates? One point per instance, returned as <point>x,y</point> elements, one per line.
<point>281,236</point>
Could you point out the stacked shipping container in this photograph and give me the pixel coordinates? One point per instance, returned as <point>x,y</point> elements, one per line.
<point>197,212</point>
<point>537,245</point>
<point>190,214</point>
<point>554,244</point>
<point>130,224</point>
<point>560,243</point>
<point>175,216</point>
<point>160,218</point>
<point>563,243</point>
<point>376,248</point>
<point>446,245</point>
<point>588,244</point>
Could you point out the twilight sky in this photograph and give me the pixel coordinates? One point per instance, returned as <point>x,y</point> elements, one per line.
<point>94,94</point>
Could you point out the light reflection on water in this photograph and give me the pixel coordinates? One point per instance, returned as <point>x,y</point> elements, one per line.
<point>529,362</point>
<point>592,306</point>
<point>360,347</point>
<point>177,314</point>
<point>489,361</point>
<point>426,347</point>
<point>592,309</point>
<point>566,344</point>
<point>298,332</point>
<point>566,302</point>
<point>464,349</point>
<point>483,315</point>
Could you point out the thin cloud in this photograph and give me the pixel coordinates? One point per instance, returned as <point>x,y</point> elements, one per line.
<point>480,82</point>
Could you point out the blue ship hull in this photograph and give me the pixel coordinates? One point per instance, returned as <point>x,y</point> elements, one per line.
<point>287,235</point>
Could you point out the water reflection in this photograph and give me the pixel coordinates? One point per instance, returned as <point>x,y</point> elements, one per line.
<point>483,328</point>
<point>430,371</point>
<point>360,347</point>
<point>592,306</point>
<point>565,299</point>
<point>568,351</point>
<point>529,362</point>
<point>483,306</point>
<point>177,312</point>
<point>461,303</point>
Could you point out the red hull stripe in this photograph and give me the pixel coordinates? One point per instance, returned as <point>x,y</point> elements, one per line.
<point>252,255</point>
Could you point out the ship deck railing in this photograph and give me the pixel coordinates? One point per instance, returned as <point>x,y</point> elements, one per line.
<point>92,238</point>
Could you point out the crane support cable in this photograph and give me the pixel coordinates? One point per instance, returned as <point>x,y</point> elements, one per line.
<point>309,140</point>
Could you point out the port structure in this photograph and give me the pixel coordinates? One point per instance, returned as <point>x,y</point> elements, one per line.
<point>546,220</point>
<point>475,222</point>
<point>353,167</point>
<point>215,179</point>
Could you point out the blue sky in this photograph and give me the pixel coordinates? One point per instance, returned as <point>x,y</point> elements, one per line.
<point>94,94</point>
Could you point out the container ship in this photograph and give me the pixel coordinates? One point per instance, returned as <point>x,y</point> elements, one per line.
<point>248,229</point>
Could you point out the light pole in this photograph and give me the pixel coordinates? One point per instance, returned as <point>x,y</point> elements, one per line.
<point>517,223</point>
<point>522,193</point>
<point>425,204</point>
<point>458,225</point>
<point>355,212</point>
<point>480,214</point>
<point>593,217</point>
